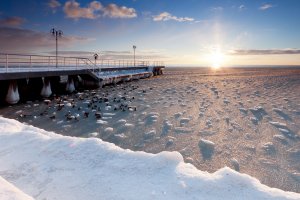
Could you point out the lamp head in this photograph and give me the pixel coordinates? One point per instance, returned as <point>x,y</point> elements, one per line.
<point>60,33</point>
<point>52,31</point>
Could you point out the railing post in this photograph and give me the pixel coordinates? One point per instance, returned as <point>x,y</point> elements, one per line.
<point>6,65</point>
<point>64,61</point>
<point>94,66</point>
<point>48,62</point>
<point>30,64</point>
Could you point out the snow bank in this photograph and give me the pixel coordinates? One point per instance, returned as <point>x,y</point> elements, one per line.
<point>10,192</point>
<point>50,166</point>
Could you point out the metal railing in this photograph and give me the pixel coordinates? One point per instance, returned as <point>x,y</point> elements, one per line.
<point>27,63</point>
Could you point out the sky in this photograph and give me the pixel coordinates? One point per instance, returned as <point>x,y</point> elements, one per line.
<point>178,32</point>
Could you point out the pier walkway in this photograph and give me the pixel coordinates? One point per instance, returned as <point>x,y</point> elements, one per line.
<point>15,66</point>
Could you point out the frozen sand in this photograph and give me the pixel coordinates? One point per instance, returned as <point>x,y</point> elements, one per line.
<point>50,166</point>
<point>251,116</point>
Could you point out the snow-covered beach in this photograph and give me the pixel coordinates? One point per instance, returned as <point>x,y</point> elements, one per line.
<point>45,165</point>
<point>246,119</point>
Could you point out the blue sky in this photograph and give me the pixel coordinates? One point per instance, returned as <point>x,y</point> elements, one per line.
<point>181,32</point>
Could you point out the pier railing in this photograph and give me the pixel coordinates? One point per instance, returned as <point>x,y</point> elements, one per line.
<point>26,63</point>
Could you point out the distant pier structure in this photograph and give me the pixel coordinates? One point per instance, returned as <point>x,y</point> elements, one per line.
<point>28,77</point>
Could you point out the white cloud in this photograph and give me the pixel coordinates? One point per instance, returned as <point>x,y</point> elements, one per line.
<point>95,9</point>
<point>73,10</point>
<point>265,6</point>
<point>165,16</point>
<point>114,11</point>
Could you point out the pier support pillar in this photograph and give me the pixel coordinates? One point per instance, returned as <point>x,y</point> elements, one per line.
<point>46,90</point>
<point>12,96</point>
<point>70,87</point>
<point>3,91</point>
<point>56,86</point>
<point>89,82</point>
<point>23,89</point>
<point>35,86</point>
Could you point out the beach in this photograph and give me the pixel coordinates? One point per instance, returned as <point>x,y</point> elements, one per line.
<point>244,118</point>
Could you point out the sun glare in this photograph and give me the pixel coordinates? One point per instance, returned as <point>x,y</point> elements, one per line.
<point>216,59</point>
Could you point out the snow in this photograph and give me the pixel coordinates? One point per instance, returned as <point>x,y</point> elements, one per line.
<point>45,165</point>
<point>116,76</point>
<point>10,192</point>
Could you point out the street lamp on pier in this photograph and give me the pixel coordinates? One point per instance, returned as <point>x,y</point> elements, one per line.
<point>56,34</point>
<point>96,57</point>
<point>134,47</point>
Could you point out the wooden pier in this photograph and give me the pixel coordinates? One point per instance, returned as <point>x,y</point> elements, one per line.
<point>36,75</point>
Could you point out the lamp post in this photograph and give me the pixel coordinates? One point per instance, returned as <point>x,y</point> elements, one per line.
<point>56,34</point>
<point>134,47</point>
<point>96,57</point>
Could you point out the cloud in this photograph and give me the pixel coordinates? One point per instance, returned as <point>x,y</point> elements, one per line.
<point>265,6</point>
<point>53,4</point>
<point>73,10</point>
<point>12,21</point>
<point>217,9</point>
<point>94,10</point>
<point>114,11</point>
<point>264,51</point>
<point>165,16</point>
<point>242,7</point>
<point>17,40</point>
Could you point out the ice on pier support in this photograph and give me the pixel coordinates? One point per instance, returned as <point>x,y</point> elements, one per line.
<point>46,90</point>
<point>70,87</point>
<point>12,96</point>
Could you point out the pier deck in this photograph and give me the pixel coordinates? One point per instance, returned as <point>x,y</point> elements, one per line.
<point>41,75</point>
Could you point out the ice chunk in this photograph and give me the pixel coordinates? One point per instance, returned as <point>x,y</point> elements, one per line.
<point>207,148</point>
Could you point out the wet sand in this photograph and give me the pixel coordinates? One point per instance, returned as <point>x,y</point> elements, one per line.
<point>247,119</point>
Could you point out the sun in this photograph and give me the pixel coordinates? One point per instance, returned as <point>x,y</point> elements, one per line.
<point>216,59</point>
